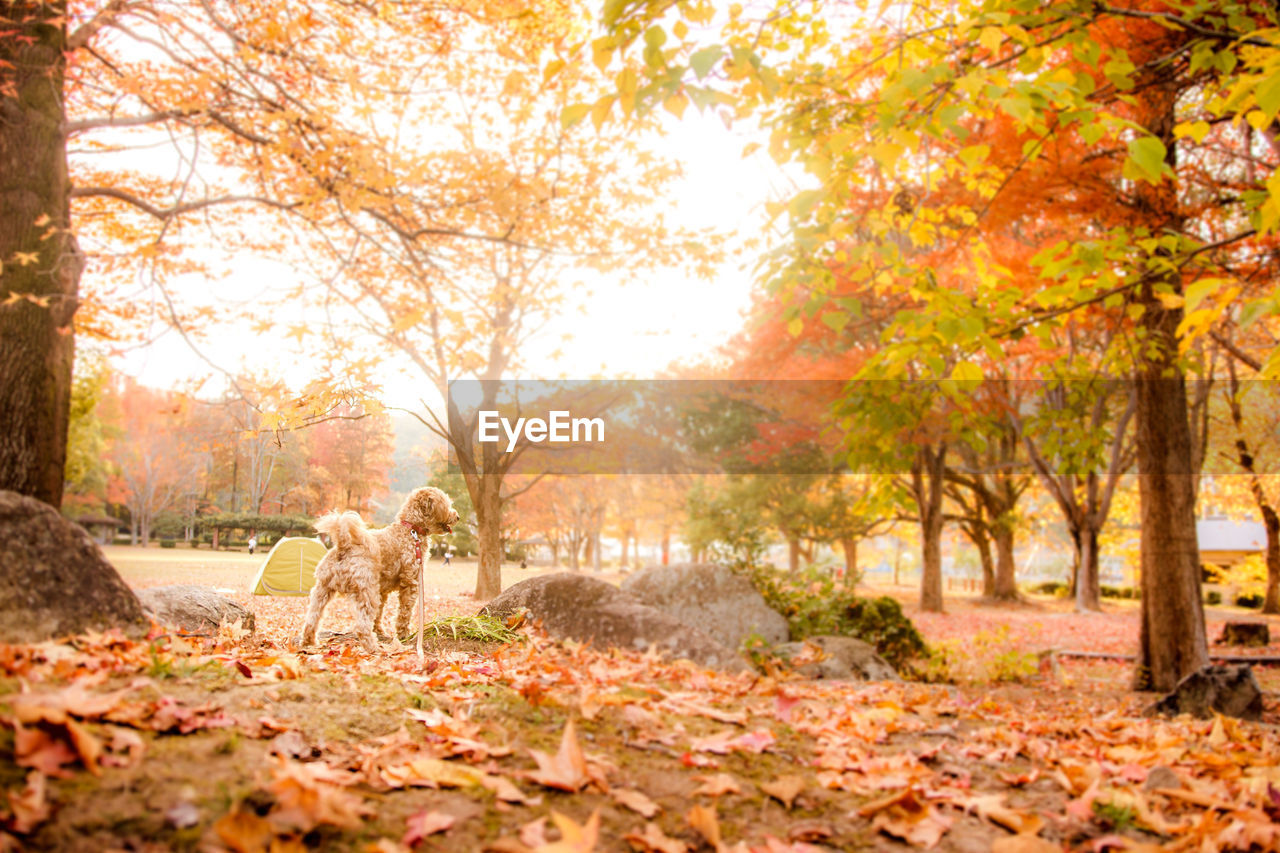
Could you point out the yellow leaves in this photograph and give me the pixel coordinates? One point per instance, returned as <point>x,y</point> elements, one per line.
<point>26,258</point>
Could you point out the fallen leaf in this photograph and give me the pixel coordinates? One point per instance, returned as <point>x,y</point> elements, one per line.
<point>729,741</point>
<point>425,823</point>
<point>534,833</point>
<point>431,773</point>
<point>574,838</point>
<point>88,746</point>
<point>654,840</point>
<point>1024,844</point>
<point>717,785</point>
<point>906,816</point>
<point>305,799</point>
<point>993,808</point>
<point>635,800</point>
<point>567,769</point>
<point>785,789</point>
<point>705,823</point>
<point>243,832</point>
<point>29,806</point>
<point>34,747</point>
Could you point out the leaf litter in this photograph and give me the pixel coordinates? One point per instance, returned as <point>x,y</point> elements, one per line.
<point>245,743</point>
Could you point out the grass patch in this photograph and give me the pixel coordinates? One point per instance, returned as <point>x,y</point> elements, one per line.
<point>480,628</point>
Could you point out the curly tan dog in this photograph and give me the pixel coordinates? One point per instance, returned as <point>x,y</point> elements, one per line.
<point>368,564</point>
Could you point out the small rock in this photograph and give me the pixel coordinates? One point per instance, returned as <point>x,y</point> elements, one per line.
<point>193,609</point>
<point>1161,777</point>
<point>1228,690</point>
<point>182,815</point>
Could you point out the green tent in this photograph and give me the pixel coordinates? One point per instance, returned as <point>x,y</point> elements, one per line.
<point>290,567</point>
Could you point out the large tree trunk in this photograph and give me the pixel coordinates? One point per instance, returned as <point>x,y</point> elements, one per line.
<point>1006,581</point>
<point>42,263</point>
<point>927,482</point>
<point>1172,638</point>
<point>977,534</point>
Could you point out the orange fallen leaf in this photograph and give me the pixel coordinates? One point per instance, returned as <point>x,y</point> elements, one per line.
<point>1024,844</point>
<point>29,806</point>
<point>35,748</point>
<point>534,833</point>
<point>88,746</point>
<point>907,817</point>
<point>574,837</point>
<point>785,789</point>
<point>717,785</point>
<point>567,769</point>
<point>635,800</point>
<point>705,823</point>
<point>425,823</point>
<point>654,840</point>
<point>243,832</point>
<point>305,799</point>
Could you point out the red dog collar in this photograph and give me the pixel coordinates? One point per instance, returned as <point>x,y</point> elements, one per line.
<point>417,540</point>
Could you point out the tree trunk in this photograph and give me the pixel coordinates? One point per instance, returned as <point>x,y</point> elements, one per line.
<point>1172,637</point>
<point>978,536</point>
<point>1088,588</point>
<point>1271,604</point>
<point>793,555</point>
<point>488,507</point>
<point>1005,586</point>
<point>849,546</point>
<point>666,546</point>
<point>927,479</point>
<point>42,262</point>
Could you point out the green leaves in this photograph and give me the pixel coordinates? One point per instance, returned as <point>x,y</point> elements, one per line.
<point>1147,160</point>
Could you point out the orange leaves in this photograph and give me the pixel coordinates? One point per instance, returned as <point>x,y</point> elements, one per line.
<point>567,770</point>
<point>906,815</point>
<point>308,795</point>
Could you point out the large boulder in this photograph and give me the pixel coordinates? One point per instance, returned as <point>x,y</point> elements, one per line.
<point>54,580</point>
<point>192,609</point>
<point>1228,690</point>
<point>712,598</point>
<point>842,659</point>
<point>580,608</point>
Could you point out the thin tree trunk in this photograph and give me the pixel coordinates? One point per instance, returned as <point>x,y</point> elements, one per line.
<point>40,279</point>
<point>1088,592</point>
<point>488,509</point>
<point>1271,603</point>
<point>793,555</point>
<point>849,546</point>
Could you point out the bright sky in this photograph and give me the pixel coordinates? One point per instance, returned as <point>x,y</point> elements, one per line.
<point>636,330</point>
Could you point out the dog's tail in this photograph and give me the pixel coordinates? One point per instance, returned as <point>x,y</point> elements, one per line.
<point>346,530</point>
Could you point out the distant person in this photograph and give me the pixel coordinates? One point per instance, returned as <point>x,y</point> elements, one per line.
<point>253,543</point>
<point>524,564</point>
<point>448,555</point>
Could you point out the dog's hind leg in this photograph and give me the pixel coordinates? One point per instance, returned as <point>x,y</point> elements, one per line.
<point>367,607</point>
<point>320,595</point>
<point>377,617</point>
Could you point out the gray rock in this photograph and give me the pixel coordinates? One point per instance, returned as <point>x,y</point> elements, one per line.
<point>1228,690</point>
<point>193,609</point>
<point>571,606</point>
<point>54,580</point>
<point>847,659</point>
<point>710,598</point>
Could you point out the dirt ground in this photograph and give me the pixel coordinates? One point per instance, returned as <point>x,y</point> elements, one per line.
<point>246,743</point>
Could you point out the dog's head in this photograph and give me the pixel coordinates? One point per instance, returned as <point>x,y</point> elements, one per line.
<point>429,509</point>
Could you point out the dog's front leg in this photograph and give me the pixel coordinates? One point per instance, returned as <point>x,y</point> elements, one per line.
<point>408,598</point>
<point>377,619</point>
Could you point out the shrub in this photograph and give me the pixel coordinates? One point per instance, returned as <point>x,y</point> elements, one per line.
<point>1213,596</point>
<point>1251,600</point>
<point>168,543</point>
<point>1050,588</point>
<point>813,603</point>
<point>1120,592</point>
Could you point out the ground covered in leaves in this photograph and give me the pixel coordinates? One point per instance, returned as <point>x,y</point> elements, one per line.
<point>245,743</point>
